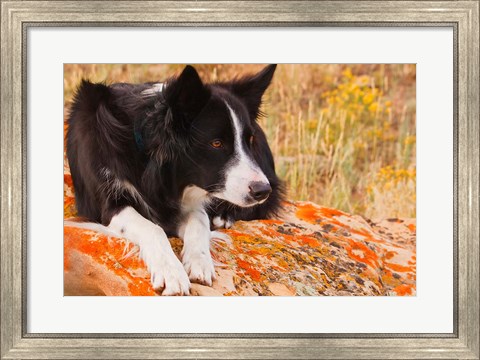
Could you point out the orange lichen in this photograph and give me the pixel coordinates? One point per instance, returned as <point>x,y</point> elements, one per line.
<point>270,232</point>
<point>329,213</point>
<point>397,267</point>
<point>311,213</point>
<point>141,288</point>
<point>307,212</point>
<point>66,260</point>
<point>404,289</point>
<point>390,254</point>
<point>101,250</point>
<point>412,227</point>
<point>308,240</point>
<point>271,221</point>
<point>247,267</point>
<point>265,251</point>
<point>388,279</point>
<point>362,253</point>
<point>69,209</point>
<point>67,179</point>
<point>361,232</point>
<point>68,201</point>
<point>253,252</point>
<point>235,234</point>
<point>283,264</point>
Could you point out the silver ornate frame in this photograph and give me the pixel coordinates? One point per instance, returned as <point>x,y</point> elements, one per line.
<point>17,16</point>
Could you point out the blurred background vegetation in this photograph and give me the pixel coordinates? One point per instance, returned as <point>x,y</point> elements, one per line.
<point>343,135</point>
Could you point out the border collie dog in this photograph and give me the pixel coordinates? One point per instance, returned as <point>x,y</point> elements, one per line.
<point>172,159</point>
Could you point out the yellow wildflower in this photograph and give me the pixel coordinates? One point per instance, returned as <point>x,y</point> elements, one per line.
<point>367,99</point>
<point>312,124</point>
<point>373,107</point>
<point>347,73</point>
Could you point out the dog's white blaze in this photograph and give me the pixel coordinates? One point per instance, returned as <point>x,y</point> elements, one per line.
<point>155,89</point>
<point>243,170</point>
<point>155,250</point>
<point>196,235</point>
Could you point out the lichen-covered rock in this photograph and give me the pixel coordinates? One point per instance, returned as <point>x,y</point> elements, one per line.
<point>312,251</point>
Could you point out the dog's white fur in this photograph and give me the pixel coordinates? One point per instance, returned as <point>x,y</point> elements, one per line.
<point>155,250</point>
<point>242,170</point>
<point>196,234</point>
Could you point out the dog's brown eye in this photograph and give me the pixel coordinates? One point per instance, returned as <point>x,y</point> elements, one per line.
<point>251,140</point>
<point>217,144</point>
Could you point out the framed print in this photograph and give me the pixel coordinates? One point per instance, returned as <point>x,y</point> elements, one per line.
<point>344,69</point>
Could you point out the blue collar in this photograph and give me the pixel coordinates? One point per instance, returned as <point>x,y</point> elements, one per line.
<point>137,131</point>
<point>139,141</point>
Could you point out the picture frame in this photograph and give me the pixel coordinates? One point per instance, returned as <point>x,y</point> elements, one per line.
<point>18,16</point>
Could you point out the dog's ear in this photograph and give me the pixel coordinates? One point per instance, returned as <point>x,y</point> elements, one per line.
<point>186,95</point>
<point>251,88</point>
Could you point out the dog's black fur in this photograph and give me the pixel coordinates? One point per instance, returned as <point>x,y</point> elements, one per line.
<point>159,144</point>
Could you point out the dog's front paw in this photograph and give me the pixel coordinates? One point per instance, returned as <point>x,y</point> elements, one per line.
<point>199,267</point>
<point>222,223</point>
<point>171,276</point>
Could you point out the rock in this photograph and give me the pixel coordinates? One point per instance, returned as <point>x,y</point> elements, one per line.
<point>281,290</point>
<point>312,251</point>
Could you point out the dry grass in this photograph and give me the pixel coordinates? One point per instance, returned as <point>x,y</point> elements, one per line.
<point>342,135</point>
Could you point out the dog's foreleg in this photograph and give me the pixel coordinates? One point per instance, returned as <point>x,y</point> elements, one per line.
<point>196,256</point>
<point>155,250</point>
<point>196,235</point>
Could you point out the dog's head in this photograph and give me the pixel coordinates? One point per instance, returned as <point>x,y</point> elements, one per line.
<point>226,153</point>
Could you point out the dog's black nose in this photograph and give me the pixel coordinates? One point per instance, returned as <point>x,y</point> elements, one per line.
<point>260,190</point>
